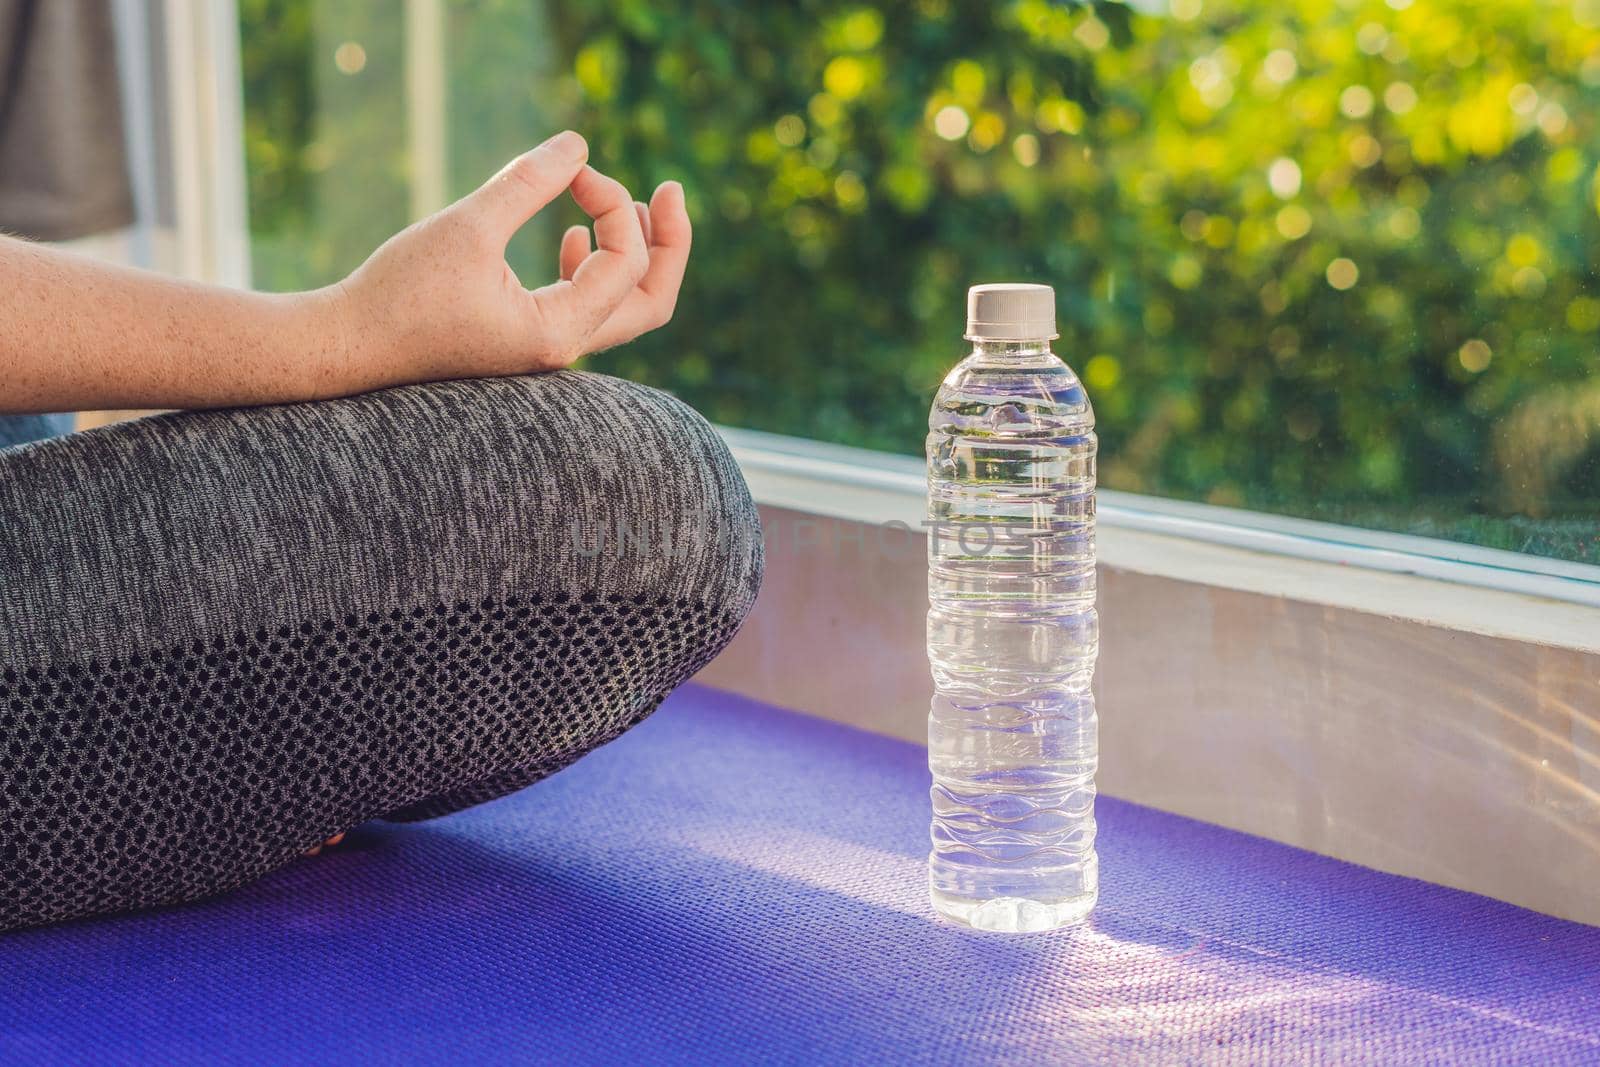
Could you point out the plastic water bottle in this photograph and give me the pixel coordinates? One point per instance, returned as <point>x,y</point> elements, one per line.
<point>1012,630</point>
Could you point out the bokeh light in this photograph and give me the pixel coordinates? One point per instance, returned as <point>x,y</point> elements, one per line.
<point>1343,273</point>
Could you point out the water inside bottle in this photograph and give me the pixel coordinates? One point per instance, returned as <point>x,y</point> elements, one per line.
<point>1012,640</point>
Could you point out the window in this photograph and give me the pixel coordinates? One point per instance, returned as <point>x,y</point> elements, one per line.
<point>1327,261</point>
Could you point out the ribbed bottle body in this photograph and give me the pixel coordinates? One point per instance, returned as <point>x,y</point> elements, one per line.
<point>1012,640</point>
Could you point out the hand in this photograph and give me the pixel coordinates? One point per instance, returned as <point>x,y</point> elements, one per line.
<point>438,300</point>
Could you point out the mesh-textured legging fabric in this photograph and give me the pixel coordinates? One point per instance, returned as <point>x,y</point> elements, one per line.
<point>228,635</point>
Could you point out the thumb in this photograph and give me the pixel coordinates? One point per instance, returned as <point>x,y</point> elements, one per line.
<point>526,184</point>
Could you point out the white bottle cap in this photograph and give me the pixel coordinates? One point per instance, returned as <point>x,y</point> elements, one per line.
<point>1011,311</point>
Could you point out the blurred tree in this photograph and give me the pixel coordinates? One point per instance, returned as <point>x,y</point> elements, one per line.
<point>1326,258</point>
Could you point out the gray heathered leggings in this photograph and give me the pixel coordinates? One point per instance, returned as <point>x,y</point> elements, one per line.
<point>228,635</point>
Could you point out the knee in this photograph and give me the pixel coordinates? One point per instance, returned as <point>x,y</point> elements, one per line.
<point>693,529</point>
<point>653,506</point>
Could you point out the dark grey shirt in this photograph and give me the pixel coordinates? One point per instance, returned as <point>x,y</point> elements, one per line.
<point>63,163</point>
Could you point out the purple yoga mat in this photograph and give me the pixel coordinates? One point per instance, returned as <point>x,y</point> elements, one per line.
<point>732,883</point>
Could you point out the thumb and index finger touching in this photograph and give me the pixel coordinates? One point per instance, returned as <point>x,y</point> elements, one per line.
<point>577,306</point>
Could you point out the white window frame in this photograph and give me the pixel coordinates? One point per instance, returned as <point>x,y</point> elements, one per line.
<point>183,119</point>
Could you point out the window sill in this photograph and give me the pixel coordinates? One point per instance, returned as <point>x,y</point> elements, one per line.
<point>1439,583</point>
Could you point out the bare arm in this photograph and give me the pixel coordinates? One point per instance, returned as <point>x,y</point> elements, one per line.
<point>436,301</point>
<point>79,334</point>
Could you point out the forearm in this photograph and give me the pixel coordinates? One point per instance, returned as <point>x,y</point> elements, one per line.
<point>436,301</point>
<point>77,334</point>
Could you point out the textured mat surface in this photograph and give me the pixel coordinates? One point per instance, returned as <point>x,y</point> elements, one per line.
<point>730,883</point>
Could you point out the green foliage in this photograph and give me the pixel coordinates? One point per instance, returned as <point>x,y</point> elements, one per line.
<point>324,149</point>
<point>1326,258</point>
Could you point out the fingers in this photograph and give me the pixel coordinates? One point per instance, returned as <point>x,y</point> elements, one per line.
<point>574,249</point>
<point>622,249</point>
<point>569,311</point>
<point>575,242</point>
<point>670,231</point>
<point>651,304</point>
<point>526,184</point>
